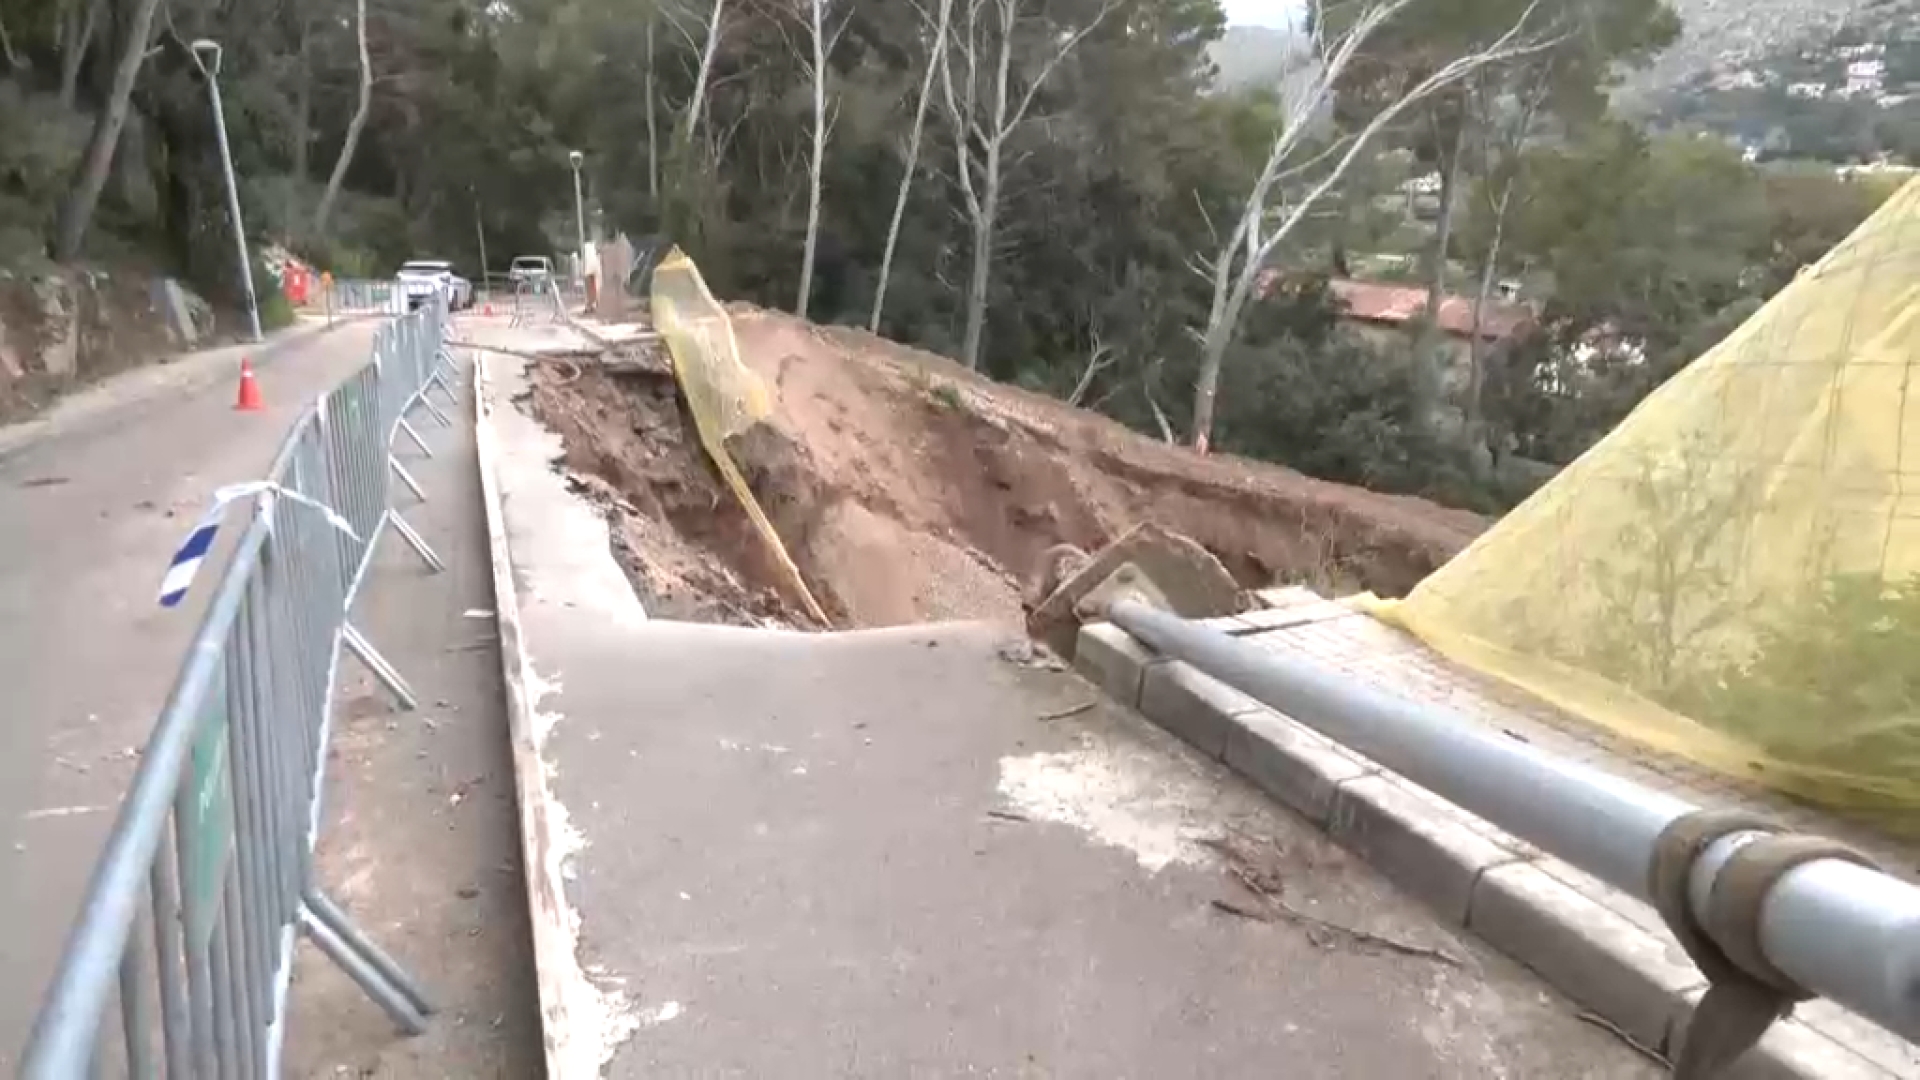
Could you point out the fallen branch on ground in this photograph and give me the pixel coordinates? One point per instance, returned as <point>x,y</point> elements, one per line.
<point>1265,885</point>
<point>1617,1032</point>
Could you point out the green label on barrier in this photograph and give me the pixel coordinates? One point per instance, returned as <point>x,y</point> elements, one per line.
<point>207,834</point>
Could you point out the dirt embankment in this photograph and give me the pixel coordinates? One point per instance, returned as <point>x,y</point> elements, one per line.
<point>66,329</point>
<point>907,489</point>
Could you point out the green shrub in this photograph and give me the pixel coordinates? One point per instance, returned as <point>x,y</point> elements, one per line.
<point>271,296</point>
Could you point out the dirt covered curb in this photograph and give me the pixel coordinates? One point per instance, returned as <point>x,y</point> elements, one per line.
<point>909,490</point>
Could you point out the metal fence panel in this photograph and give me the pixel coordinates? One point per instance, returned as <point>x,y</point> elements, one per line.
<point>187,925</point>
<point>363,296</point>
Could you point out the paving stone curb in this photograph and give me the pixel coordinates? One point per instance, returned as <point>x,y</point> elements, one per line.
<point>1605,950</point>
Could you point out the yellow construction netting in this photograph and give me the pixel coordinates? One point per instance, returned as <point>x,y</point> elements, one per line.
<point>1732,575</point>
<point>724,395</point>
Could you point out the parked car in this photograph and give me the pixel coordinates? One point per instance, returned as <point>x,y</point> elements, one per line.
<point>533,271</point>
<point>421,278</point>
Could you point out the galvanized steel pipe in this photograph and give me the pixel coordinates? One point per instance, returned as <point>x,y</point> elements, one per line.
<point>1843,931</point>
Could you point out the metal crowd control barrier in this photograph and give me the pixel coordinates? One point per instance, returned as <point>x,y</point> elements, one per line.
<point>363,296</point>
<point>535,297</point>
<point>189,919</point>
<point>1836,928</point>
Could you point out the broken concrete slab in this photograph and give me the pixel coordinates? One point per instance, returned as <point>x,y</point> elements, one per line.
<point>1193,583</point>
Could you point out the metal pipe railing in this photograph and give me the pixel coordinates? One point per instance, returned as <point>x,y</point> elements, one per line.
<point>1841,930</point>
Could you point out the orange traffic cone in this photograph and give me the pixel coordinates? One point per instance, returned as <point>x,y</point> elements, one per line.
<point>249,390</point>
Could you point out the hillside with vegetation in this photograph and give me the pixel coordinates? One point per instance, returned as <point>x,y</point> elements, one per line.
<point>1716,34</point>
<point>1070,195</point>
<point>1846,92</point>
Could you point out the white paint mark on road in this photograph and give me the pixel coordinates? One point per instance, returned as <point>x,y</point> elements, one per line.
<point>61,811</point>
<point>596,1009</point>
<point>1130,799</point>
<point>661,1014</point>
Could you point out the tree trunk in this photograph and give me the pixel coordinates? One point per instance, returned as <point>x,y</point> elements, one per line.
<point>480,232</point>
<point>813,171</point>
<point>1428,367</point>
<point>1478,449</point>
<point>73,51</point>
<point>983,229</point>
<point>1221,322</point>
<point>653,138</point>
<point>1150,377</point>
<point>699,102</point>
<point>302,126</point>
<point>989,211</point>
<point>913,165</point>
<point>354,128</point>
<point>1443,228</point>
<point>76,214</point>
<point>6,45</point>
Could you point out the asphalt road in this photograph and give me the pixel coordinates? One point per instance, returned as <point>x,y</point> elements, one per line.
<point>93,500</point>
<point>925,852</point>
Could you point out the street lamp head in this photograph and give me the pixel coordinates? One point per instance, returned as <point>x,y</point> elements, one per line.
<point>574,157</point>
<point>207,52</point>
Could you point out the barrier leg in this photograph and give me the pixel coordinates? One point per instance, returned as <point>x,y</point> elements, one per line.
<point>415,437</point>
<point>440,380</point>
<point>434,410</point>
<point>324,909</point>
<point>447,373</point>
<point>415,541</point>
<point>406,478</point>
<point>390,678</point>
<point>136,1010</point>
<point>350,956</point>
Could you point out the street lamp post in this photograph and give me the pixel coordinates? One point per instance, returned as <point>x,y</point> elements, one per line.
<point>579,212</point>
<point>206,56</point>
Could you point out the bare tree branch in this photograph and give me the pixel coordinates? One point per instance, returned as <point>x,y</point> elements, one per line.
<point>354,127</point>
<point>690,121</point>
<point>1005,116</point>
<point>1100,358</point>
<point>1235,276</point>
<point>936,54</point>
<point>819,66</point>
<point>1046,69</point>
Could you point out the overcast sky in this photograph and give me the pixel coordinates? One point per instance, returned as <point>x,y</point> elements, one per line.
<point>1259,12</point>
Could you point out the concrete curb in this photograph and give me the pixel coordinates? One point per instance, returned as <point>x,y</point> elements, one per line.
<point>553,930</point>
<point>1605,950</point>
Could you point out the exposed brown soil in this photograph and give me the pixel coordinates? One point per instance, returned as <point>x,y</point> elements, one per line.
<point>908,489</point>
<point>61,332</point>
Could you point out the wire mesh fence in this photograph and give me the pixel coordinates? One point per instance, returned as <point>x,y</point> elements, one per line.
<point>1732,576</point>
<point>178,963</point>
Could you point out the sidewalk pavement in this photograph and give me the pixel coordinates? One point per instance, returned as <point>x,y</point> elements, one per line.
<point>419,841</point>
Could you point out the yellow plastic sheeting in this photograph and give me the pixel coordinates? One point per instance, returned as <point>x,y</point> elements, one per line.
<point>1733,574</point>
<point>724,395</point>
